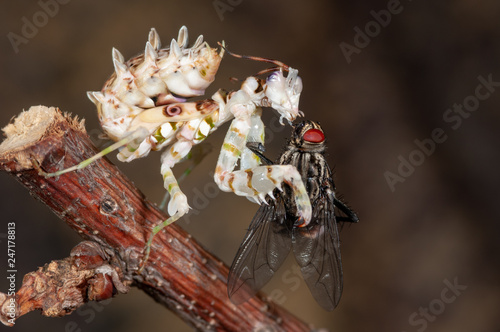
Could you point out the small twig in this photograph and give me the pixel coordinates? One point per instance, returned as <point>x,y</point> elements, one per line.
<point>103,206</point>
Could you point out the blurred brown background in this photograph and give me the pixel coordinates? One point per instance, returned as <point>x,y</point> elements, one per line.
<point>438,227</point>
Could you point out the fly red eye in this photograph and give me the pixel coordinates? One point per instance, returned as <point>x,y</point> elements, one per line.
<point>314,136</point>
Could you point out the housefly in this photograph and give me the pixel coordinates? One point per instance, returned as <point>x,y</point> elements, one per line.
<point>276,229</point>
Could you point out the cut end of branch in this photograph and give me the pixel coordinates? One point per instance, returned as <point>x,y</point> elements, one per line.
<point>28,128</point>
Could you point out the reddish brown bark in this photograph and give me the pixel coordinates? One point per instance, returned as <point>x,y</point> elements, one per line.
<point>103,206</point>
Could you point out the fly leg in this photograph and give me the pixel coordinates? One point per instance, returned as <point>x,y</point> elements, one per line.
<point>350,216</point>
<point>258,149</point>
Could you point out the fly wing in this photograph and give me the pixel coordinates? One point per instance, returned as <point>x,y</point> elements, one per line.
<point>317,251</point>
<point>265,247</point>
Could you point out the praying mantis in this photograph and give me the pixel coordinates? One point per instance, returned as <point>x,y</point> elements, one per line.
<point>146,105</point>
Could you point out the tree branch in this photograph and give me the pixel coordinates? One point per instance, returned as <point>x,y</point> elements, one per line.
<point>104,207</point>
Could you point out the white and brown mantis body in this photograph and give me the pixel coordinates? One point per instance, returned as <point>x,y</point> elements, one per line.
<point>143,107</point>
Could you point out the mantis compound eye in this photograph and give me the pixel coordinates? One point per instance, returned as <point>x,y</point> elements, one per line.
<point>314,136</point>
<point>275,76</point>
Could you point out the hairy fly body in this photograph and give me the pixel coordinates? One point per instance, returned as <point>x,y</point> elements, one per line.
<point>277,227</point>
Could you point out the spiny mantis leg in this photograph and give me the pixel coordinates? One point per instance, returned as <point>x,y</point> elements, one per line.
<point>132,139</point>
<point>178,201</point>
<point>258,149</point>
<point>196,155</point>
